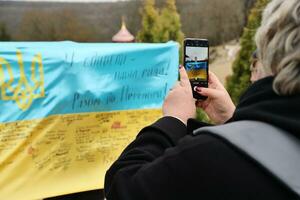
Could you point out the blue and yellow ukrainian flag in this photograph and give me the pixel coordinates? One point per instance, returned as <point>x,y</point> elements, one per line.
<point>68,109</point>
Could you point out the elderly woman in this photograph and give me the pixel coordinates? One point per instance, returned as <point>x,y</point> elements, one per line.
<point>166,162</point>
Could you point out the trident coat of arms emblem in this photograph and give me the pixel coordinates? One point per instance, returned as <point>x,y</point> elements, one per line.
<point>27,88</point>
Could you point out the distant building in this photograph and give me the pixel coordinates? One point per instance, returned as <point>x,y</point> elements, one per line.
<point>123,35</point>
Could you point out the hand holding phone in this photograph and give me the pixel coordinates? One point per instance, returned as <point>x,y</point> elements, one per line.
<point>196,58</point>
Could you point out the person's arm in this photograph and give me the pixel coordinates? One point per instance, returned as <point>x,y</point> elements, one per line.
<point>159,165</point>
<point>126,176</point>
<point>126,179</point>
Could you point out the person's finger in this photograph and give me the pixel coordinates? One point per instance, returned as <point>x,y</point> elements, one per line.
<point>213,79</point>
<point>184,79</point>
<point>209,92</point>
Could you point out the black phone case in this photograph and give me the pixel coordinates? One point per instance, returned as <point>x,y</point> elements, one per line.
<point>203,84</point>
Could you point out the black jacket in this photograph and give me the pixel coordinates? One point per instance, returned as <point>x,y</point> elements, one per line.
<point>166,162</point>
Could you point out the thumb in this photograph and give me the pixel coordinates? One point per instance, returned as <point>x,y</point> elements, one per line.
<point>209,92</point>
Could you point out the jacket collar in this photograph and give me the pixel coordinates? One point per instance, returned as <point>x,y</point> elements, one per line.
<point>261,103</point>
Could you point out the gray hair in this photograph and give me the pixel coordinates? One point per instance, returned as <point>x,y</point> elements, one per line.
<point>278,43</point>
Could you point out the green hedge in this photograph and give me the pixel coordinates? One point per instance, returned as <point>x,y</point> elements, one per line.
<point>240,79</point>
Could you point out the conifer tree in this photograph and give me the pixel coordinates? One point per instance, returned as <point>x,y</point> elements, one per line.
<point>150,23</point>
<point>171,25</point>
<point>240,80</point>
<point>160,25</point>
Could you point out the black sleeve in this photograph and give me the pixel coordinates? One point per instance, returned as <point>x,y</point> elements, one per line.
<point>158,166</point>
<point>194,124</point>
<point>125,176</point>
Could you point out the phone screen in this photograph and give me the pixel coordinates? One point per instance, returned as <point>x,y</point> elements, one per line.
<point>196,56</point>
<point>196,63</point>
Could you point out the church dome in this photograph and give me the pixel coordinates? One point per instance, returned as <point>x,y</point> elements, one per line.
<point>123,35</point>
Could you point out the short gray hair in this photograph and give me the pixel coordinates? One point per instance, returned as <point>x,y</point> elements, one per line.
<point>278,43</point>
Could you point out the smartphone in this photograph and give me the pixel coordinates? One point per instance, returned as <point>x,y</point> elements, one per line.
<point>196,57</point>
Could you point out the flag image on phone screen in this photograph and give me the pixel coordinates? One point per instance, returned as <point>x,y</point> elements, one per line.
<point>197,62</point>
